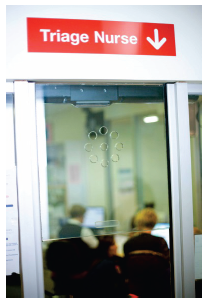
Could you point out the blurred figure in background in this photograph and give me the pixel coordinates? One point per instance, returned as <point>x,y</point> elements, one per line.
<point>73,227</point>
<point>147,259</point>
<point>105,278</point>
<point>69,261</point>
<point>70,258</point>
<point>144,222</point>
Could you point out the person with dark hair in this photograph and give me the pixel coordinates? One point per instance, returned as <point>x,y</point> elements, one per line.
<point>105,278</point>
<point>70,258</point>
<point>69,261</point>
<point>150,205</point>
<point>73,227</point>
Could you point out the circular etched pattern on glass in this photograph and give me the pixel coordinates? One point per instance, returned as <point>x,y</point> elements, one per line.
<point>103,130</point>
<point>88,147</point>
<point>115,157</point>
<point>119,146</point>
<point>114,135</point>
<point>104,163</point>
<point>92,135</point>
<point>104,146</point>
<point>93,158</point>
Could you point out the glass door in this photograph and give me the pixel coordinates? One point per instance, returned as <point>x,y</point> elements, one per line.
<point>104,190</point>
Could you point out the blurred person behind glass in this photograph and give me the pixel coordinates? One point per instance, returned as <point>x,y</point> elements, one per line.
<point>147,259</point>
<point>70,258</point>
<point>105,278</point>
<point>73,227</point>
<point>145,220</point>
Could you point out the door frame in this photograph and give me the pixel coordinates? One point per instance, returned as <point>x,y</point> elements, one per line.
<point>181,186</point>
<point>28,180</point>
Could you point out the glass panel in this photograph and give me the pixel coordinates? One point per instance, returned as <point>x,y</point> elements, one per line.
<point>110,159</point>
<point>106,164</point>
<point>195,116</point>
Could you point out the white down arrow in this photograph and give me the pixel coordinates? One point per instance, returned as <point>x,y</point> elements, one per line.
<point>156,43</point>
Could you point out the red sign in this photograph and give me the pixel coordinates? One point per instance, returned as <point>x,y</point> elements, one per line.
<point>103,37</point>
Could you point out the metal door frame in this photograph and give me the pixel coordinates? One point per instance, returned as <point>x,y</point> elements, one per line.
<point>181,186</point>
<point>29,194</point>
<point>31,262</point>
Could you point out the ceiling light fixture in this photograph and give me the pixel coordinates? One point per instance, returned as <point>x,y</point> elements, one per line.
<point>151,119</point>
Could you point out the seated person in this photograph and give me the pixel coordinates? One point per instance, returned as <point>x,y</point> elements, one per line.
<point>73,227</point>
<point>105,278</point>
<point>145,221</point>
<point>107,250</point>
<point>69,261</point>
<point>147,259</point>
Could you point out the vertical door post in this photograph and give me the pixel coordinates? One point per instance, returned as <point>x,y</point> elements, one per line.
<point>181,189</point>
<point>28,190</point>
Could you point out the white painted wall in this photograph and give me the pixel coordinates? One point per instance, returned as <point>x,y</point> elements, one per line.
<point>185,66</point>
